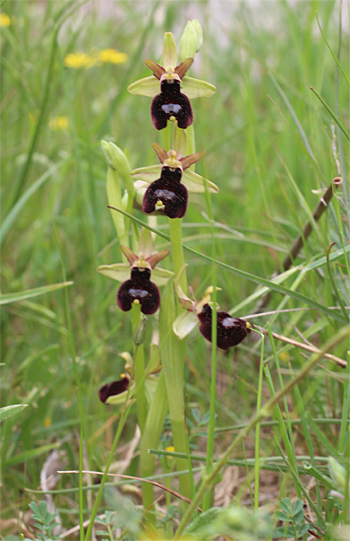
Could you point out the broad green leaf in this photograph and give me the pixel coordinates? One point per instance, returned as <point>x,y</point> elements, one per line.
<point>147,174</point>
<point>6,298</point>
<point>169,50</point>
<point>7,411</point>
<point>148,86</point>
<point>195,88</point>
<point>196,184</point>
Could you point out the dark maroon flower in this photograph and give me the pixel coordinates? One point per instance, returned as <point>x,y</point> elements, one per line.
<point>169,104</point>
<point>139,289</point>
<point>114,388</point>
<point>169,191</point>
<point>230,330</point>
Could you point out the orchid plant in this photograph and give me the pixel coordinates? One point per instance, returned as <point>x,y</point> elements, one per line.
<point>164,191</point>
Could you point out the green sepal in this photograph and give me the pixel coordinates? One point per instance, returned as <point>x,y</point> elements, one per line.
<point>148,86</point>
<point>120,398</point>
<point>147,174</point>
<point>184,324</point>
<point>169,50</point>
<point>118,271</point>
<point>121,272</point>
<point>195,88</point>
<point>196,184</point>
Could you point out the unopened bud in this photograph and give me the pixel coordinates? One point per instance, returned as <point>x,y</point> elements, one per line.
<point>117,160</point>
<point>140,333</point>
<point>191,40</point>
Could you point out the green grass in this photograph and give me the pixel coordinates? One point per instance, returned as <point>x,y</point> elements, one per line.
<point>270,148</point>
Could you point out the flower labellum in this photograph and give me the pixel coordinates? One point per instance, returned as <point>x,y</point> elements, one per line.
<point>171,104</point>
<point>169,191</point>
<point>113,389</point>
<point>139,290</point>
<point>230,330</point>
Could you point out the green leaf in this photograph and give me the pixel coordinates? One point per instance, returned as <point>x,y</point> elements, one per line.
<point>184,324</point>
<point>298,506</point>
<point>15,211</point>
<point>169,50</point>
<point>7,298</point>
<point>280,515</point>
<point>286,506</point>
<point>204,519</point>
<point>340,124</point>
<point>148,86</point>
<point>195,88</point>
<point>7,411</point>
<point>30,454</point>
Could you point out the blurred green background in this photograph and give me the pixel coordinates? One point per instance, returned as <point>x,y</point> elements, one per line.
<point>269,146</point>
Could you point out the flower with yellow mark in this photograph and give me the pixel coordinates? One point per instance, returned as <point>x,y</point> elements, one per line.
<point>4,19</point>
<point>112,56</point>
<point>59,123</point>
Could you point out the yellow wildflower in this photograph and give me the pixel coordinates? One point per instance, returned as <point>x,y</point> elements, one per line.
<point>80,60</point>
<point>59,123</point>
<point>47,422</point>
<point>4,19</point>
<point>170,449</point>
<point>112,56</point>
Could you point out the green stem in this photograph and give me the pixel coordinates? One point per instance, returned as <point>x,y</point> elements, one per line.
<point>150,439</point>
<point>264,412</point>
<point>139,366</point>
<point>173,368</point>
<point>177,250</point>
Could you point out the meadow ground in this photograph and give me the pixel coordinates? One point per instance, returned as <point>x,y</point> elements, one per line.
<point>273,148</point>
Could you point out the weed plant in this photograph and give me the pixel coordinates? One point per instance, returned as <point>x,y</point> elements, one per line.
<point>265,447</point>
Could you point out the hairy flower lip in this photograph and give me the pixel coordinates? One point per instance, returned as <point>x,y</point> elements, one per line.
<point>139,289</point>
<point>169,191</point>
<point>230,331</point>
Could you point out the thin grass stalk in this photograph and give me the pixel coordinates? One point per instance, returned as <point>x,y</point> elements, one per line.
<point>344,427</point>
<point>121,424</point>
<point>139,367</point>
<point>82,414</point>
<point>265,411</point>
<point>257,430</point>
